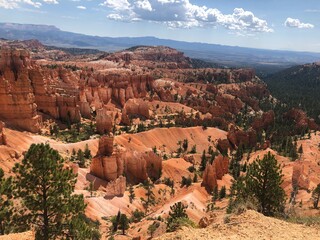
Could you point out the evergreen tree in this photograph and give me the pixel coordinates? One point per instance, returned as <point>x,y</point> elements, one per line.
<point>177,213</point>
<point>203,162</point>
<point>124,223</point>
<point>316,196</point>
<point>262,183</point>
<point>83,228</point>
<point>46,188</point>
<point>153,227</point>
<point>80,158</point>
<point>185,144</point>
<point>194,149</point>
<point>87,152</point>
<point>222,193</point>
<point>6,203</point>
<point>195,178</point>
<point>148,186</point>
<point>131,194</point>
<point>215,194</point>
<point>91,188</point>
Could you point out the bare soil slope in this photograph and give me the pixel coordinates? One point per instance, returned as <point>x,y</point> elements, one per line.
<point>249,225</point>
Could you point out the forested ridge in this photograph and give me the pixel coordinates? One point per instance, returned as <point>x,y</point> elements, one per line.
<point>298,86</point>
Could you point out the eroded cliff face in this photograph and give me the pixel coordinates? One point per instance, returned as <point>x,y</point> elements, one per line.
<point>135,108</point>
<point>27,88</point>
<point>17,100</point>
<point>214,172</point>
<point>118,86</point>
<point>137,167</point>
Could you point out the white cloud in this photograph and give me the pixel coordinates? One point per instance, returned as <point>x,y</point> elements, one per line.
<point>81,7</point>
<point>144,4</point>
<point>183,14</point>
<point>117,5</point>
<point>296,23</point>
<point>51,1</point>
<point>12,4</point>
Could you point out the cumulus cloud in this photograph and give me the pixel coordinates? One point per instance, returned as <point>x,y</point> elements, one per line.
<point>12,4</point>
<point>296,23</point>
<point>183,14</point>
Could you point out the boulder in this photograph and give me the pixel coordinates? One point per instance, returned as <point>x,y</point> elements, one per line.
<point>204,222</point>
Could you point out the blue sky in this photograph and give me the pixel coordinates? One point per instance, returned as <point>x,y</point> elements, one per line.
<point>269,24</point>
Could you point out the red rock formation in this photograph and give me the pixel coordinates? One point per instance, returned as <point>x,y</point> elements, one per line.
<point>229,103</point>
<point>118,87</point>
<point>135,107</point>
<point>105,120</point>
<point>214,172</point>
<point>237,137</point>
<point>115,188</point>
<point>3,140</point>
<point>141,166</point>
<point>301,119</point>
<point>210,177</point>
<point>17,101</point>
<point>298,178</point>
<point>105,146</point>
<point>137,167</point>
<point>107,167</point>
<point>223,145</point>
<point>152,57</point>
<point>266,120</point>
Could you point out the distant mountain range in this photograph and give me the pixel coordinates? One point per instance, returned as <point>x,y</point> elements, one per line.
<point>263,60</point>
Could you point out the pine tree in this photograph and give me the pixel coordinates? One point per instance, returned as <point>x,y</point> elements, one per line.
<point>6,203</point>
<point>131,194</point>
<point>91,188</point>
<point>153,227</point>
<point>215,194</point>
<point>203,163</point>
<point>222,193</point>
<point>123,223</point>
<point>148,186</point>
<point>316,196</point>
<point>195,178</point>
<point>262,183</point>
<point>80,158</point>
<point>46,189</point>
<point>177,212</point>
<point>185,144</point>
<point>87,152</point>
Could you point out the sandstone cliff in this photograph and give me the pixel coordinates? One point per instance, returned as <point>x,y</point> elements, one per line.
<point>17,100</point>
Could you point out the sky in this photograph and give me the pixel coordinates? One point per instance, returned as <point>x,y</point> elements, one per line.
<point>268,24</point>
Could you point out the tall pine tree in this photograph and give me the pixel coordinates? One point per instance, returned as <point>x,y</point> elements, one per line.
<point>262,183</point>
<point>5,203</point>
<point>45,187</point>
